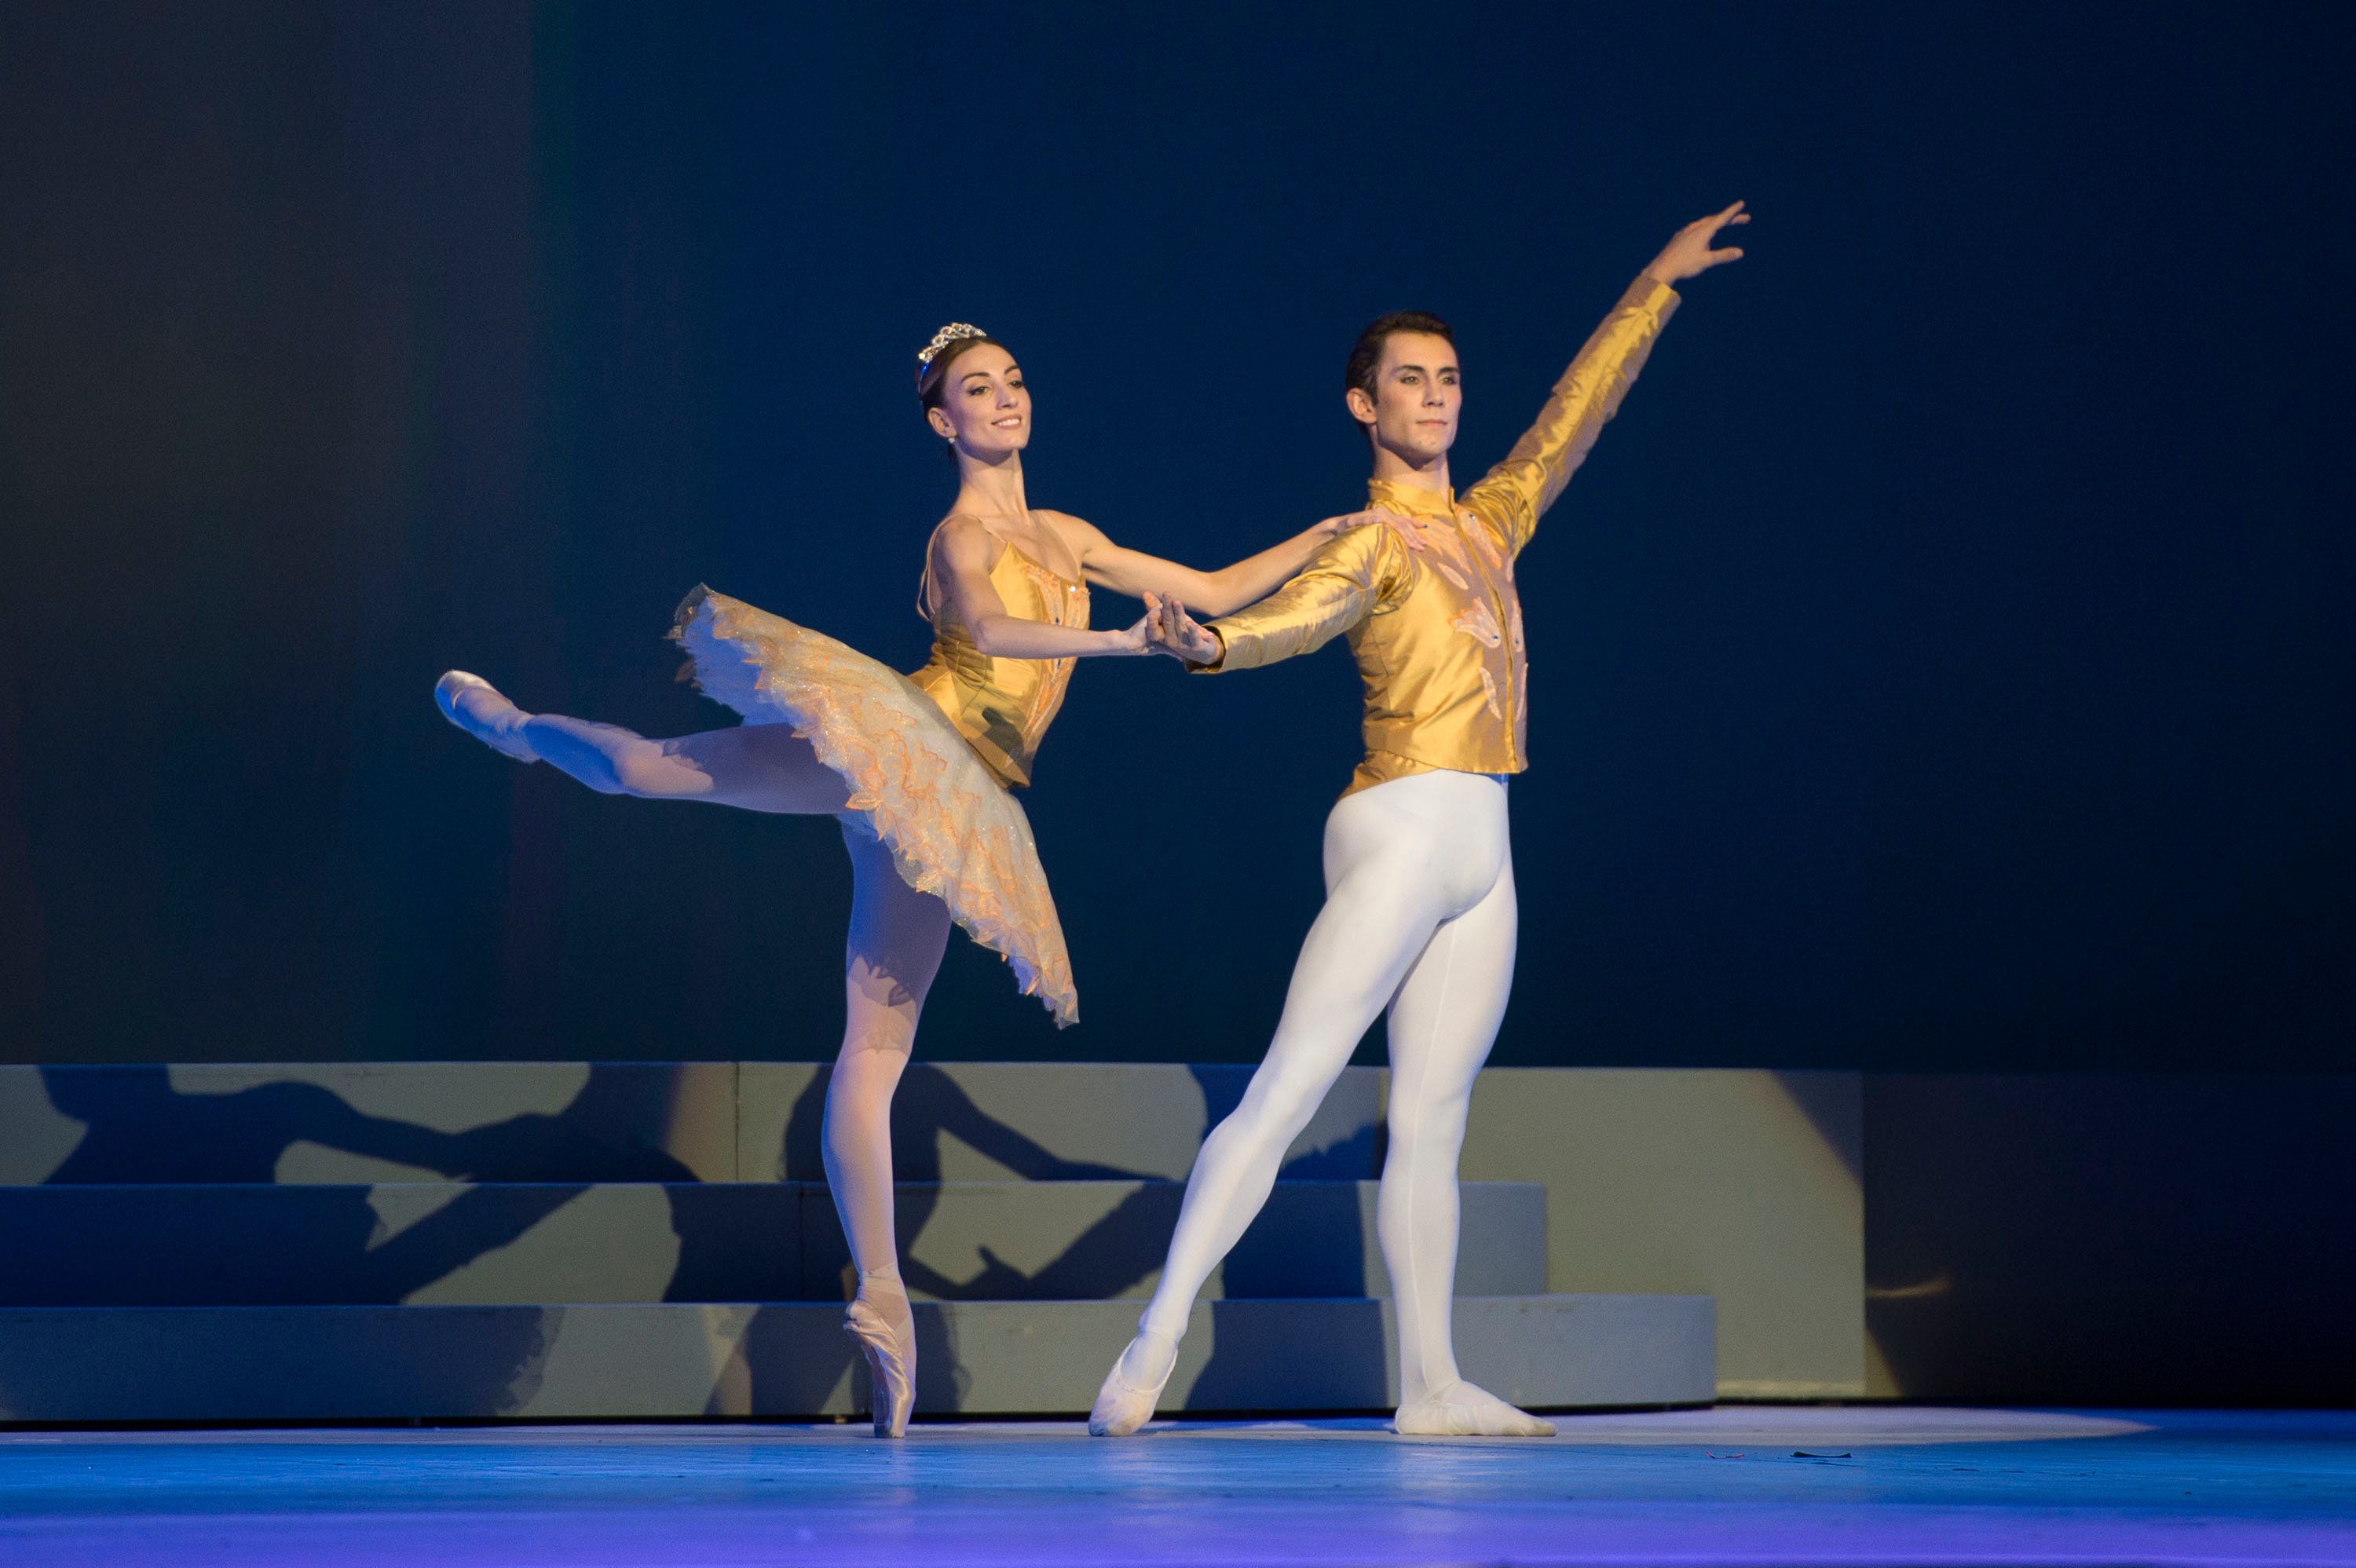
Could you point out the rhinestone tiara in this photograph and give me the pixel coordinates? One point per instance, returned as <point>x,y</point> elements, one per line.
<point>955,332</point>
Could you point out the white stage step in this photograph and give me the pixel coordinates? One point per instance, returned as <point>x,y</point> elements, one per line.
<point>790,1359</point>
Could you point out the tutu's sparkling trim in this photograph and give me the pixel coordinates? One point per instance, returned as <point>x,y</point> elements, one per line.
<point>954,830</point>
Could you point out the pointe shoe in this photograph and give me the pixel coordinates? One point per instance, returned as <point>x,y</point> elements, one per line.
<point>497,733</point>
<point>1466,1410</point>
<point>1122,1407</point>
<point>891,1367</point>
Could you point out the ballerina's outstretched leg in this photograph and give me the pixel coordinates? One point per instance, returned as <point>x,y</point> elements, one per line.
<point>753,767</point>
<point>893,949</point>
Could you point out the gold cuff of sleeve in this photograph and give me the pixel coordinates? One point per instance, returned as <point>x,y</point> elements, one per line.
<point>1216,665</point>
<point>1648,293</point>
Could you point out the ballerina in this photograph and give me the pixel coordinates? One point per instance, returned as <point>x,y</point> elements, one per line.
<point>1420,914</point>
<point>918,768</point>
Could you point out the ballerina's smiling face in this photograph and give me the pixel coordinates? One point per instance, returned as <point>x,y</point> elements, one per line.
<point>983,404</point>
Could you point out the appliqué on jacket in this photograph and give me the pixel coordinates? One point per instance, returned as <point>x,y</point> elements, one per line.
<point>1474,528</point>
<point>1480,624</point>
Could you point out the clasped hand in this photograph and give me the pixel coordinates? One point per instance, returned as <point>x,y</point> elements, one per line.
<point>1166,628</point>
<point>1170,630</point>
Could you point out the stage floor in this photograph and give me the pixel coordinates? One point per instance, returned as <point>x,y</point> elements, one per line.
<point>1866,1486</point>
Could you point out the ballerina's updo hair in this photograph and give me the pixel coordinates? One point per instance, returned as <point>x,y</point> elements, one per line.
<point>950,344</point>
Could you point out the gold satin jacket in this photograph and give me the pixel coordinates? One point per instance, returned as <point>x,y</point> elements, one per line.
<point>1002,707</point>
<point>1438,631</point>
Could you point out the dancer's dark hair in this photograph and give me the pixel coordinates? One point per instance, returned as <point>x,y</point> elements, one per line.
<point>935,377</point>
<point>1366,354</point>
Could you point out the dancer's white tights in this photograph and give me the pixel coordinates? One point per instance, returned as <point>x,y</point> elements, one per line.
<point>1420,917</point>
<point>897,940</point>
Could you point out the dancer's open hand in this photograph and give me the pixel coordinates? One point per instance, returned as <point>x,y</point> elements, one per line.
<point>1688,253</point>
<point>1177,633</point>
<point>1334,528</point>
<point>1408,530</point>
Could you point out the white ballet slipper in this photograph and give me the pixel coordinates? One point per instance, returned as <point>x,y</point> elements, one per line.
<point>1466,1410</point>
<point>480,715</point>
<point>891,1366</point>
<point>1122,1406</point>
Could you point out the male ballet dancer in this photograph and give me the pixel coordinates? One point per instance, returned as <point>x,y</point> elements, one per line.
<point>1420,914</point>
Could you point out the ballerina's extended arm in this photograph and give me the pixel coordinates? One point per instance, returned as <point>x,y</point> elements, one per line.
<point>963,554</point>
<point>1220,592</point>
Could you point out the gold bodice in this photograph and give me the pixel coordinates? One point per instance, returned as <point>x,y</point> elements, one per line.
<point>1002,707</point>
<point>1438,630</point>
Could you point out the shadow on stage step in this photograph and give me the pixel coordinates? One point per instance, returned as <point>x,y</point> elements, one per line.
<point>554,1240</point>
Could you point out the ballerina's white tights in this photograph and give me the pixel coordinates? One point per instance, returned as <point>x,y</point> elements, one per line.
<point>1419,916</point>
<point>895,946</point>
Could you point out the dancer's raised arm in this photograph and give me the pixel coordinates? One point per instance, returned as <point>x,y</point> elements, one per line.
<point>1511,496</point>
<point>1140,575</point>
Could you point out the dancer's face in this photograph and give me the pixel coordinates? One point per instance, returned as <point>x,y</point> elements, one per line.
<point>1417,394</point>
<point>984,408</point>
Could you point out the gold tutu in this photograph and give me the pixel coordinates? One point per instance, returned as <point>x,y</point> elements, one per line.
<point>954,830</point>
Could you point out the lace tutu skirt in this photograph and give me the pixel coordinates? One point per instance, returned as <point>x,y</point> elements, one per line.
<point>954,830</point>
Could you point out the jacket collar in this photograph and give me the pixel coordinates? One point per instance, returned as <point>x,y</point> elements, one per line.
<point>1411,498</point>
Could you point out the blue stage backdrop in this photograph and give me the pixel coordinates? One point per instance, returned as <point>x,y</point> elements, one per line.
<point>1945,661</point>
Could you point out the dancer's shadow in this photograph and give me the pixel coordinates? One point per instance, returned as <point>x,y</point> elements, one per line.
<point>318,1248</point>
<point>180,1147</point>
<point>169,1247</point>
<point>177,1245</point>
<point>139,1129</point>
<point>326,1245</point>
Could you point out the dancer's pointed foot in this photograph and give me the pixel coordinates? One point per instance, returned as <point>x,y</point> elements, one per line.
<point>475,706</point>
<point>1466,1410</point>
<point>879,1319</point>
<point>1125,1401</point>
